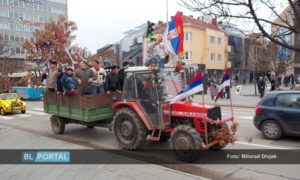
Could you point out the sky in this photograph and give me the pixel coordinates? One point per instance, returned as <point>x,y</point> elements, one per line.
<point>102,22</point>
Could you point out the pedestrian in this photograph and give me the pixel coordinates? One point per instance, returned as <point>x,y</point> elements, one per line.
<point>98,84</point>
<point>84,78</point>
<point>52,77</point>
<point>121,73</point>
<point>112,82</point>
<point>261,85</point>
<point>273,85</point>
<point>213,89</point>
<point>68,82</point>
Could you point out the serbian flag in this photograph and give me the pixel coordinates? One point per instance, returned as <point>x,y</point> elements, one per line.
<point>194,86</point>
<point>225,83</point>
<point>174,35</point>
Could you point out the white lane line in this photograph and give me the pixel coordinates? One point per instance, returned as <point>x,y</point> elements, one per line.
<point>23,115</point>
<point>38,109</point>
<point>239,112</point>
<point>264,146</point>
<point>36,113</point>
<point>6,118</point>
<point>244,117</point>
<point>245,110</point>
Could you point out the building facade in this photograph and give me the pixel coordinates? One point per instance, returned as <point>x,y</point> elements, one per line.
<point>285,55</point>
<point>239,53</point>
<point>131,45</point>
<point>109,53</point>
<point>205,44</point>
<point>13,32</point>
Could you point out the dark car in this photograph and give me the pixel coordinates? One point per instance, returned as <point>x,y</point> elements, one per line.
<point>278,113</point>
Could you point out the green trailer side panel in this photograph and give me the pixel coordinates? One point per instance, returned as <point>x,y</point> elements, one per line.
<point>86,114</point>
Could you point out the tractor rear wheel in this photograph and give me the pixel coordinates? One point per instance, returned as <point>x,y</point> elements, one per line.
<point>129,130</point>
<point>57,124</point>
<point>186,143</point>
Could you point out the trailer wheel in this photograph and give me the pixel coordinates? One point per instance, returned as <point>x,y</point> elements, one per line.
<point>129,130</point>
<point>57,124</point>
<point>186,143</point>
<point>90,127</point>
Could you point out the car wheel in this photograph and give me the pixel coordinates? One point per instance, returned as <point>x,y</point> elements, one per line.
<point>2,112</point>
<point>271,130</point>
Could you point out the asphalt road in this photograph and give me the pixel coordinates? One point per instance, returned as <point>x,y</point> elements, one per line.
<point>36,121</point>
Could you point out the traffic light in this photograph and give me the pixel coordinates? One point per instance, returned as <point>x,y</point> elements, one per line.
<point>150,29</point>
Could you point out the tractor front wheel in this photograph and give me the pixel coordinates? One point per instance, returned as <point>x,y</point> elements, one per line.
<point>57,124</point>
<point>129,130</point>
<point>186,143</point>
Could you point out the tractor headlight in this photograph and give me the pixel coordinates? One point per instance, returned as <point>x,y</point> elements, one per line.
<point>24,104</point>
<point>6,105</point>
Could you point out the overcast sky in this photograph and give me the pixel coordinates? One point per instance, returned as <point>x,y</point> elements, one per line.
<point>102,22</point>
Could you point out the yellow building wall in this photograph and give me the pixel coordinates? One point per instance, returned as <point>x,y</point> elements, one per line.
<point>201,47</point>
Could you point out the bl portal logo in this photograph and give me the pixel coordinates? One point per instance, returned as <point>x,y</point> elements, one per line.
<point>46,156</point>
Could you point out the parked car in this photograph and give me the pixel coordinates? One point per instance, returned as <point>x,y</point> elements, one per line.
<point>11,103</point>
<point>278,114</point>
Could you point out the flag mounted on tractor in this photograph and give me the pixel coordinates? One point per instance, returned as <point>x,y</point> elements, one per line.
<point>194,86</point>
<point>174,35</point>
<point>225,83</point>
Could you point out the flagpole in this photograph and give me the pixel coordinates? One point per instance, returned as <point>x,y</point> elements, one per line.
<point>167,11</point>
<point>206,135</point>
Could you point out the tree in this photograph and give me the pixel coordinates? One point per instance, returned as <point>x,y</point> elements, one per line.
<point>259,14</point>
<point>7,67</point>
<point>52,42</point>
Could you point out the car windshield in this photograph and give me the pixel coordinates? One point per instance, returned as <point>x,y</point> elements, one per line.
<point>8,96</point>
<point>171,83</point>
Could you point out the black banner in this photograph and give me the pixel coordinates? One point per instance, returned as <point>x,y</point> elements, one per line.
<point>104,156</point>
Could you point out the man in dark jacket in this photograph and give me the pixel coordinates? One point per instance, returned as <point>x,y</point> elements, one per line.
<point>121,73</point>
<point>112,82</point>
<point>261,85</point>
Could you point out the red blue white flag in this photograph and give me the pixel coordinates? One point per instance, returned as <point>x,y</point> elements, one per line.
<point>225,83</point>
<point>194,86</point>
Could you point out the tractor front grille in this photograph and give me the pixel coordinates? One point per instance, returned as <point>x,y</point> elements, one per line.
<point>214,113</point>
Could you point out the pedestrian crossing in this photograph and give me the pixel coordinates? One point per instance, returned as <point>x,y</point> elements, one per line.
<point>240,114</point>
<point>29,113</point>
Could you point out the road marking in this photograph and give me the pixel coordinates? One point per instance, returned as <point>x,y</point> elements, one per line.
<point>239,112</point>
<point>39,109</point>
<point>5,118</point>
<point>23,115</point>
<point>264,146</point>
<point>244,117</point>
<point>36,113</point>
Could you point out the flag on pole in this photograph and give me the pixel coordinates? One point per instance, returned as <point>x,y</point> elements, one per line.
<point>225,83</point>
<point>174,35</point>
<point>194,86</point>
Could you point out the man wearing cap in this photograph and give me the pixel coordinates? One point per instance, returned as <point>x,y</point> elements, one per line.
<point>112,82</point>
<point>84,78</point>
<point>52,77</point>
<point>98,84</point>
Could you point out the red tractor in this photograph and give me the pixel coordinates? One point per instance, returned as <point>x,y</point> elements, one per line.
<point>145,110</point>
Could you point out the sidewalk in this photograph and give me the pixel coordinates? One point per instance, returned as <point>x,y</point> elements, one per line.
<point>246,98</point>
<point>16,139</point>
